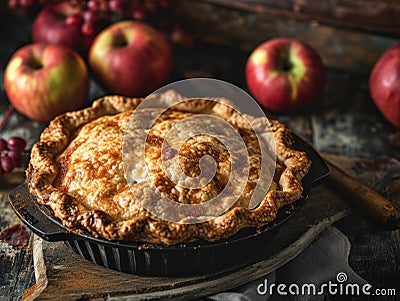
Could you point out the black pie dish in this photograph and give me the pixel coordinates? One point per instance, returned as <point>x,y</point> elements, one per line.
<point>158,260</point>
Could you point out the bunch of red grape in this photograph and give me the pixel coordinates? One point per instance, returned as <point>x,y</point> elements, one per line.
<point>11,154</point>
<point>95,12</point>
<point>100,11</point>
<point>26,5</point>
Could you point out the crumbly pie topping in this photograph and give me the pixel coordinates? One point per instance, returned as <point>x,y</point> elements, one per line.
<point>77,169</point>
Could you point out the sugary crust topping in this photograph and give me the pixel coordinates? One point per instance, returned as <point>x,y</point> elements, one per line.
<point>77,169</point>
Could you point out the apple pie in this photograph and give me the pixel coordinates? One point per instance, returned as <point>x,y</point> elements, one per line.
<point>77,169</point>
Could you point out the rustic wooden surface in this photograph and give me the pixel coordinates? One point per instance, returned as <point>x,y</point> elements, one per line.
<point>238,28</point>
<point>16,265</point>
<point>344,121</point>
<point>380,17</point>
<point>60,273</point>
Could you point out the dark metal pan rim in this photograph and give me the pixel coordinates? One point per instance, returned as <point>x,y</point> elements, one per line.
<point>283,215</point>
<point>317,173</point>
<point>240,236</point>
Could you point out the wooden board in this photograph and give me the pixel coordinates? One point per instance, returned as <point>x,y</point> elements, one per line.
<point>63,274</point>
<point>16,269</point>
<point>380,17</point>
<point>245,28</point>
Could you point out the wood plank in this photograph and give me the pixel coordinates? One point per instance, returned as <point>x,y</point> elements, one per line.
<point>375,253</point>
<point>378,17</point>
<point>339,48</point>
<point>16,269</point>
<point>348,122</point>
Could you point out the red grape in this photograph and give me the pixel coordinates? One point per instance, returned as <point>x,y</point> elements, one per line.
<point>90,17</point>
<point>13,4</point>
<point>7,163</point>
<point>104,6</point>
<point>16,143</point>
<point>26,3</point>
<point>73,20</point>
<point>87,29</point>
<point>97,13</point>
<point>116,5</point>
<point>3,144</point>
<point>139,14</point>
<point>94,4</point>
<point>16,156</point>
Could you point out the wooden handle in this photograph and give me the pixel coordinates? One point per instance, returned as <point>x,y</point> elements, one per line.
<point>376,206</point>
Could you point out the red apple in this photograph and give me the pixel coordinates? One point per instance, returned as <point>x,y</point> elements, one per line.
<point>61,23</point>
<point>44,80</point>
<point>285,75</point>
<point>384,84</point>
<point>131,58</point>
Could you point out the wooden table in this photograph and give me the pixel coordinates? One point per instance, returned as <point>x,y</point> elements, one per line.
<point>344,122</point>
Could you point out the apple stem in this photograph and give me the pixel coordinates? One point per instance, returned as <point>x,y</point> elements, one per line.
<point>6,117</point>
<point>287,66</point>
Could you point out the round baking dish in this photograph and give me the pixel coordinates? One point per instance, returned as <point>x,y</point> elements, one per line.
<point>158,260</point>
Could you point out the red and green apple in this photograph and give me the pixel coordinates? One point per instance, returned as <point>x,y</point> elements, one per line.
<point>61,23</point>
<point>131,58</point>
<point>384,84</point>
<point>44,80</point>
<point>285,75</point>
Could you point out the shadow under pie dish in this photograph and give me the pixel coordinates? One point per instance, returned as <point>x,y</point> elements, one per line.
<point>77,170</point>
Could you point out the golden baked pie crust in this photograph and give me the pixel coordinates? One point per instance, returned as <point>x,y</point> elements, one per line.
<point>76,168</point>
